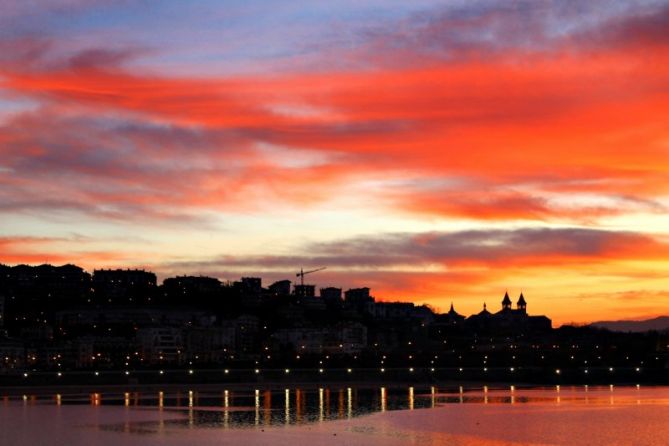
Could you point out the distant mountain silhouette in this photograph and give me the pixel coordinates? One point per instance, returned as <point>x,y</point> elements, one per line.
<point>659,323</point>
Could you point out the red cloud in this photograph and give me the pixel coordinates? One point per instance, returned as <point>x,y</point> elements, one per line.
<point>518,127</point>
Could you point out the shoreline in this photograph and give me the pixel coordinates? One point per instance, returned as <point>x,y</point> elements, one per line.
<point>307,386</point>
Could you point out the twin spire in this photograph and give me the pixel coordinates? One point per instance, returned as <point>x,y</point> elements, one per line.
<point>506,302</point>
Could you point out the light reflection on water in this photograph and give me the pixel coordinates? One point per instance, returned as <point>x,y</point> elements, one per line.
<point>254,408</point>
<point>345,414</point>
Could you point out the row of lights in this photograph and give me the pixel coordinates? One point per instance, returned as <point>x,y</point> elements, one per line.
<point>382,370</point>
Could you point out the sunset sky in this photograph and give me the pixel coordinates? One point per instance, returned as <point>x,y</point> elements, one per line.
<point>436,152</point>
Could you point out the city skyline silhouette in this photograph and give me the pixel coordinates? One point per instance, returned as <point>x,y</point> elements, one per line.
<point>432,150</point>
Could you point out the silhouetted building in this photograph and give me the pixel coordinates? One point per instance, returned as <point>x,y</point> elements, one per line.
<point>33,293</point>
<point>56,281</point>
<point>59,318</point>
<point>522,305</point>
<point>249,286</point>
<point>506,302</point>
<point>305,290</point>
<point>357,295</point>
<point>37,332</point>
<point>480,321</point>
<point>313,303</point>
<point>191,285</point>
<point>210,344</point>
<point>453,317</point>
<point>342,339</point>
<point>292,314</point>
<point>122,286</point>
<point>160,345</point>
<point>347,338</point>
<point>133,317</point>
<point>508,319</point>
<point>191,290</point>
<point>447,323</point>
<point>300,339</point>
<point>331,295</point>
<point>399,311</point>
<point>247,329</point>
<point>280,288</point>
<point>12,353</point>
<point>359,299</point>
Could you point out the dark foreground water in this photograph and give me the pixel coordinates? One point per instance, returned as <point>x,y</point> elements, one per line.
<point>342,415</point>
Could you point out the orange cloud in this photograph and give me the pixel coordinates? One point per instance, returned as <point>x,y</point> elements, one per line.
<point>569,118</point>
<point>40,250</point>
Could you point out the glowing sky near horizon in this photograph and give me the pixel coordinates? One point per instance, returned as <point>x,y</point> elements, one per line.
<point>436,152</point>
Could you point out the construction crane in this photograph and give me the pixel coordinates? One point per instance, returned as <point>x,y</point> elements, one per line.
<point>302,273</point>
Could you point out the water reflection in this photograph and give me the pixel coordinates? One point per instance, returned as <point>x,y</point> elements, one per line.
<point>384,399</point>
<point>227,409</point>
<point>287,411</point>
<point>257,407</point>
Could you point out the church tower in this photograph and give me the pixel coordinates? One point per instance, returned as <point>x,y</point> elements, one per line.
<point>522,305</point>
<point>506,303</point>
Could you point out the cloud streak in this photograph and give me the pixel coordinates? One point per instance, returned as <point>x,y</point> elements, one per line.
<point>491,248</point>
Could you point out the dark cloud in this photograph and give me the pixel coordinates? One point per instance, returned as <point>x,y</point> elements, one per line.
<point>102,58</point>
<point>511,247</point>
<point>484,29</point>
<point>640,28</point>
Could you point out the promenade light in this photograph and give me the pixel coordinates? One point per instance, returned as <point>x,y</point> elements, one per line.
<point>190,372</point>
<point>287,371</point>
<point>557,371</point>
<point>161,372</point>
<point>257,371</point>
<point>226,371</point>
<point>349,370</point>
<point>320,370</point>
